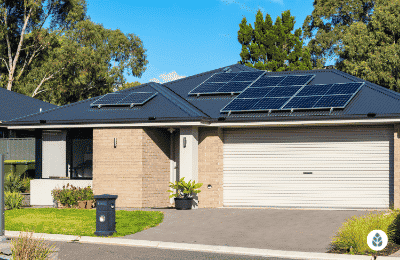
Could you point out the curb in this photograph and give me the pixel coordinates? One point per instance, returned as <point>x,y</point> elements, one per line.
<point>195,247</point>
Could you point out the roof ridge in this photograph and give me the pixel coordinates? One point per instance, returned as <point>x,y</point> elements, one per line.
<point>203,73</point>
<point>181,103</point>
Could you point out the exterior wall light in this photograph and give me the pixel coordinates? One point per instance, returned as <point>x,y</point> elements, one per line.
<point>209,186</point>
<point>184,142</point>
<point>115,142</point>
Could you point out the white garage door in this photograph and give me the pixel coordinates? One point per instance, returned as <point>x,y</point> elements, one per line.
<point>308,168</point>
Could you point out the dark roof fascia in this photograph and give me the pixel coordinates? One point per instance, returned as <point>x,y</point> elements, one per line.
<point>178,100</point>
<point>108,121</point>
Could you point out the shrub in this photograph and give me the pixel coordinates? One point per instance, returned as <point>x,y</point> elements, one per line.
<point>12,200</point>
<point>352,235</point>
<point>13,183</point>
<point>71,196</point>
<point>26,248</point>
<point>26,184</point>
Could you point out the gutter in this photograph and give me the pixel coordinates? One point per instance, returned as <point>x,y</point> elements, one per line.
<point>208,123</point>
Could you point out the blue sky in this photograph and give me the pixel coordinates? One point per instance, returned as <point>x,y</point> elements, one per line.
<point>188,37</point>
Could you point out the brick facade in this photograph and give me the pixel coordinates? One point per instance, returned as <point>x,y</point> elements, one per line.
<point>137,170</point>
<point>396,166</point>
<point>210,167</point>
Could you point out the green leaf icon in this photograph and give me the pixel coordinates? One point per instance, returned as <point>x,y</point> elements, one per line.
<point>377,240</point>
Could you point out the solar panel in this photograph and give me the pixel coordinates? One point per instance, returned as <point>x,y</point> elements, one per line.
<point>265,81</point>
<point>136,98</point>
<point>208,88</point>
<point>232,83</point>
<point>296,80</point>
<point>283,91</point>
<point>314,90</point>
<point>254,93</point>
<point>302,102</point>
<point>110,98</point>
<point>241,104</point>
<point>346,88</point>
<point>128,98</point>
<point>247,76</point>
<point>336,95</point>
<point>233,87</point>
<point>332,101</point>
<point>270,103</point>
<point>221,77</point>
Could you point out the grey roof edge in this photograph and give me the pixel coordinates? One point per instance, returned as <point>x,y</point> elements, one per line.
<point>208,121</point>
<point>178,100</point>
<point>108,121</point>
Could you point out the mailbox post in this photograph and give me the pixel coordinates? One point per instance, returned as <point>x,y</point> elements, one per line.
<point>105,214</point>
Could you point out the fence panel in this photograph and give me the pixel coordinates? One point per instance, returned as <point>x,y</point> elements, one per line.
<point>18,148</point>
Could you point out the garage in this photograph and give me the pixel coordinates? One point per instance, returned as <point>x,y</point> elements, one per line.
<point>324,167</point>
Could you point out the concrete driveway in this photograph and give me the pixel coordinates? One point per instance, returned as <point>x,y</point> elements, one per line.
<point>277,229</point>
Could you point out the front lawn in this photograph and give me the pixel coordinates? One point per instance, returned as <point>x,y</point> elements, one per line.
<point>79,222</point>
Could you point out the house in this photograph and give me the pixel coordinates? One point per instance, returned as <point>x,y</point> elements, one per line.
<point>308,139</point>
<point>14,105</point>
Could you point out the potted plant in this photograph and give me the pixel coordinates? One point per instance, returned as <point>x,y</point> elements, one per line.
<point>184,193</point>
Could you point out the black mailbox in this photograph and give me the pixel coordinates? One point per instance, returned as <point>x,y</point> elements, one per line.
<point>105,214</point>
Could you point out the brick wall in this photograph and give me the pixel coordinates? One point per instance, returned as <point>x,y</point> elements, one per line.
<point>137,170</point>
<point>210,167</point>
<point>396,166</point>
<point>156,167</point>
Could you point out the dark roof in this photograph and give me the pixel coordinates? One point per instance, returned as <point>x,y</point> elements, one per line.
<point>14,105</point>
<point>173,104</point>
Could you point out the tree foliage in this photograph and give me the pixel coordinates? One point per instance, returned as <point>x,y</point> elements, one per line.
<point>372,51</point>
<point>328,24</point>
<point>271,46</point>
<point>76,60</point>
<point>128,85</point>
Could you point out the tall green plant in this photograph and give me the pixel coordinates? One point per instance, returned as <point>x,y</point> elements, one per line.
<point>183,189</point>
<point>13,183</point>
<point>12,200</point>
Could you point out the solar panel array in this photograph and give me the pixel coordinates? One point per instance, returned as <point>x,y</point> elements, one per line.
<point>277,97</point>
<point>226,83</point>
<point>120,99</point>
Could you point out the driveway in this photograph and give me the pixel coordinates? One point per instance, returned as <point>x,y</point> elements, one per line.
<point>277,229</point>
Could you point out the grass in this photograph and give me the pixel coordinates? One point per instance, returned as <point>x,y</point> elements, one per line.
<point>79,222</point>
<point>352,236</point>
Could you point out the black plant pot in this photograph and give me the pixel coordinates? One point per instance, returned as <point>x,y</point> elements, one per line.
<point>181,203</point>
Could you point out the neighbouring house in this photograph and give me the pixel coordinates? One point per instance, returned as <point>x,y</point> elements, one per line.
<point>14,105</point>
<point>307,139</point>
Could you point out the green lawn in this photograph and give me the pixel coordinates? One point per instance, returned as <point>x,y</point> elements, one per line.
<point>78,222</point>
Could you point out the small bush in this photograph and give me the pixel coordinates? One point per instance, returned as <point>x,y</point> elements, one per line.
<point>26,184</point>
<point>352,235</point>
<point>71,196</point>
<point>13,183</point>
<point>26,248</point>
<point>12,200</point>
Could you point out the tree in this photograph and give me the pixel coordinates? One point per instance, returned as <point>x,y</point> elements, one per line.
<point>128,85</point>
<point>80,62</point>
<point>21,17</point>
<point>372,51</point>
<point>272,46</point>
<point>328,23</point>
